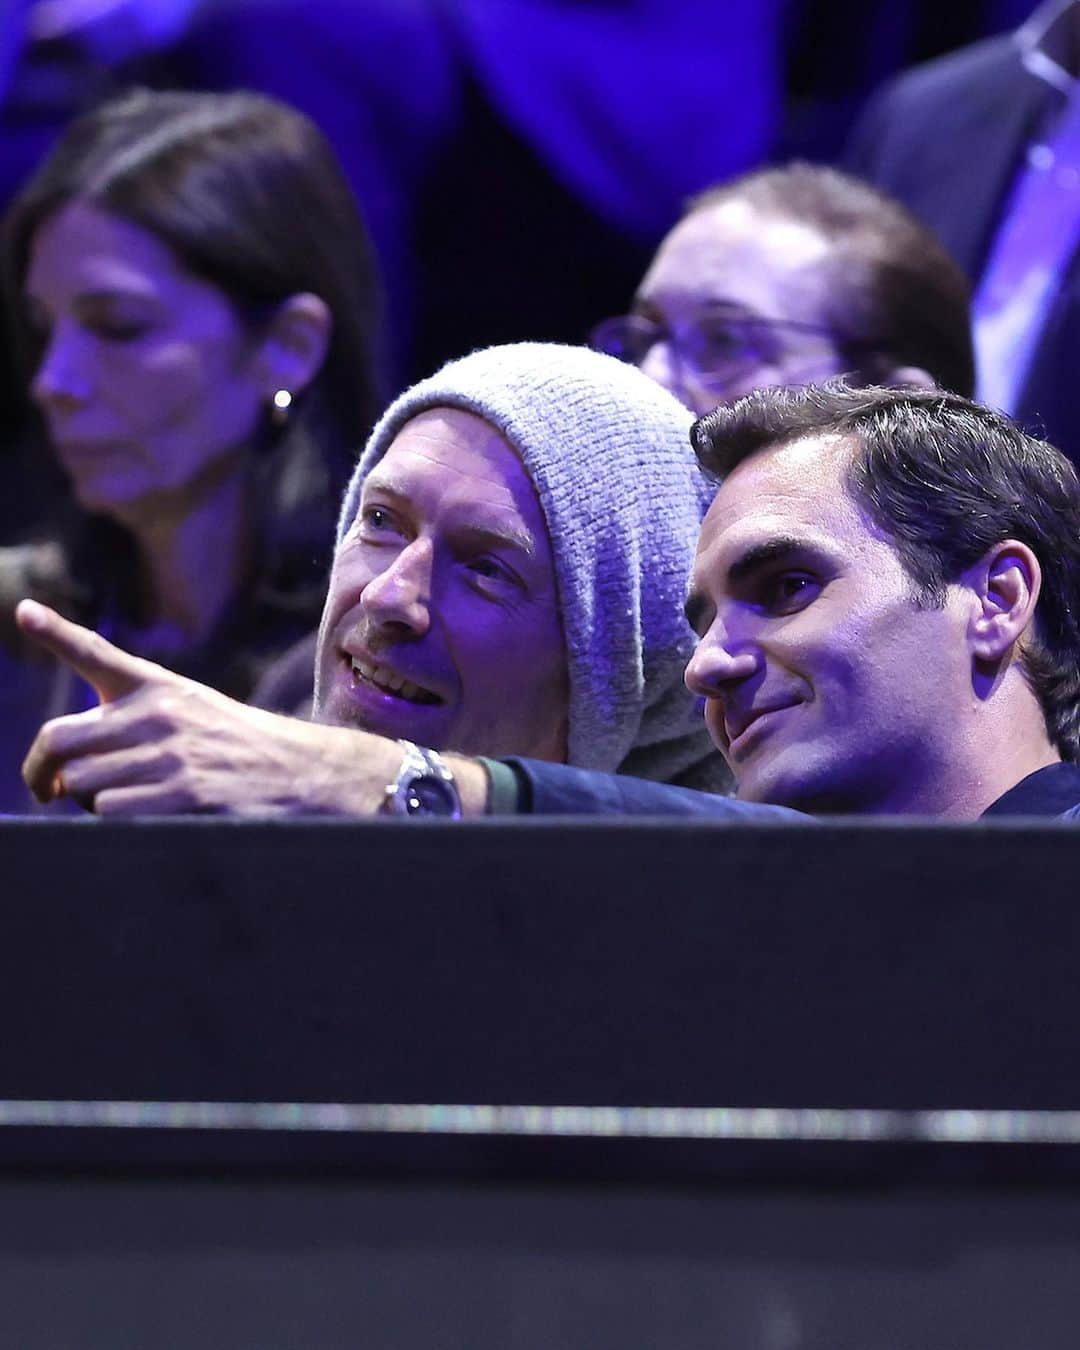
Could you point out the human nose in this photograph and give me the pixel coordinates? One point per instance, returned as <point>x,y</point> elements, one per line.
<point>720,661</point>
<point>399,597</point>
<point>62,375</point>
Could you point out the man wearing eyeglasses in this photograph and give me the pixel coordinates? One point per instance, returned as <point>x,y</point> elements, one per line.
<point>790,275</point>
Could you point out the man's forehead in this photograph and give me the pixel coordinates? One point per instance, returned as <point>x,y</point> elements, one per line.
<point>454,467</point>
<point>804,472</point>
<point>455,451</point>
<point>795,487</point>
<point>732,250</point>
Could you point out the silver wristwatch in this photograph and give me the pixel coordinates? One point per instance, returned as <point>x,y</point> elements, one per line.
<point>424,786</point>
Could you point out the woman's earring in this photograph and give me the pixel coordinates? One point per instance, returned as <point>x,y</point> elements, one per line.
<point>280,405</point>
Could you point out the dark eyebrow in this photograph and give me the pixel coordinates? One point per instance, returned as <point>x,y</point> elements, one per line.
<point>109,295</point>
<point>91,299</point>
<point>761,555</point>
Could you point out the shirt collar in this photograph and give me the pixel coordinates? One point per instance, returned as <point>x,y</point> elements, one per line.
<point>1046,792</point>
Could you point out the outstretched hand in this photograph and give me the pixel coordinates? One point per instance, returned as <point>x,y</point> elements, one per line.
<point>163,744</point>
<point>111,671</point>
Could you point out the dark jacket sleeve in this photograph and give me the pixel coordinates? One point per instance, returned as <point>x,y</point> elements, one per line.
<point>558,790</point>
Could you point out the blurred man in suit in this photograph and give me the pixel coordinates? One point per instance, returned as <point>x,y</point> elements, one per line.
<point>984,145</point>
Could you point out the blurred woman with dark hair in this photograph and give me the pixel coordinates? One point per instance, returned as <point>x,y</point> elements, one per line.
<point>193,298</point>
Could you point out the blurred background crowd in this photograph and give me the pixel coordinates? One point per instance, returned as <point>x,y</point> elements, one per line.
<point>517,160</point>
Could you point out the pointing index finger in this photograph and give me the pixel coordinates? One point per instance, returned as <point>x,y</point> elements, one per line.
<point>111,671</point>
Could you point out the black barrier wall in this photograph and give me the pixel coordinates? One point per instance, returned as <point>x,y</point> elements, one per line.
<point>538,1085</point>
<point>549,963</point>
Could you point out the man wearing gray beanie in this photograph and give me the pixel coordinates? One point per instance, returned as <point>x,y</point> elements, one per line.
<point>618,500</point>
<point>608,455</point>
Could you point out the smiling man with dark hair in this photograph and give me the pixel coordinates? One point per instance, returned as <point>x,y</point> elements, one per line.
<point>885,593</point>
<point>948,483</point>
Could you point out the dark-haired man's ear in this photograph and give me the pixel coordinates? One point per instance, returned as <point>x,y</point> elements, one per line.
<point>910,375</point>
<point>294,346</point>
<point>1006,582</point>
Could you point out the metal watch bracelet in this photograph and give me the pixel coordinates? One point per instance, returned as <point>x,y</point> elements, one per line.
<point>424,786</point>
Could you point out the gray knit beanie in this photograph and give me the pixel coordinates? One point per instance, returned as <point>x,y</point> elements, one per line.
<point>609,454</point>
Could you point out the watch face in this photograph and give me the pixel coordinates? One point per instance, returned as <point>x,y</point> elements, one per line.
<point>429,796</point>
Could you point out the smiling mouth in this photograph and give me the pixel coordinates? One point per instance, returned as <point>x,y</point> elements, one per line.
<point>758,717</point>
<point>387,681</point>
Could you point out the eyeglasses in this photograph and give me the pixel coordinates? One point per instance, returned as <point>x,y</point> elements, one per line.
<point>716,349</point>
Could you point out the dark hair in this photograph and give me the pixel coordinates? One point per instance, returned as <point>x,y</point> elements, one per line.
<point>947,479</point>
<point>896,297</point>
<point>249,195</point>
